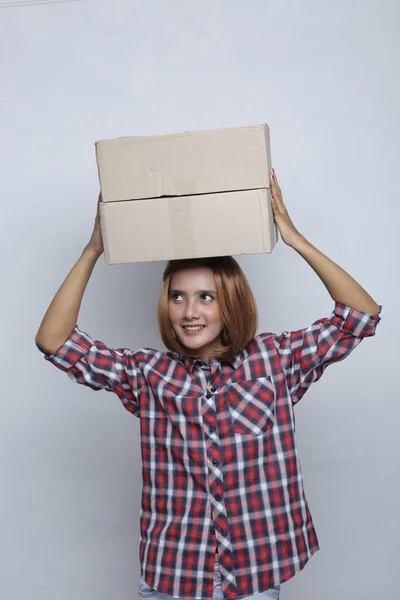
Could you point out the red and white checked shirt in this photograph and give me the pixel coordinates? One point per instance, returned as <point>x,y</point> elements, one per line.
<point>219,460</point>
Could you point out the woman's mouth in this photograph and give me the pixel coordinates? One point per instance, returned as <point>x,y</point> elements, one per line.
<point>192,329</point>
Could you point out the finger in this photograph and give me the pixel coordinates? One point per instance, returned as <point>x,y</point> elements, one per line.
<point>276,192</point>
<point>275,179</point>
<point>274,188</point>
<point>276,195</point>
<point>275,207</point>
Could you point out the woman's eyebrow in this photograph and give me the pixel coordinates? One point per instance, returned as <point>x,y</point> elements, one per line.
<point>175,291</point>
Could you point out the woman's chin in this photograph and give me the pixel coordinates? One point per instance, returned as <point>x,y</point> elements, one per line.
<point>196,348</point>
<point>194,344</point>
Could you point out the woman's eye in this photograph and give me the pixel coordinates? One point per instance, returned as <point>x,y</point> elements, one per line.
<point>176,297</point>
<point>207,297</point>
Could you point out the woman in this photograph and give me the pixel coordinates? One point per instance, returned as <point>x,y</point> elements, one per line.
<point>223,511</point>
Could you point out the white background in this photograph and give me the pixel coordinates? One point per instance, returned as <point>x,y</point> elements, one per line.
<point>324,76</point>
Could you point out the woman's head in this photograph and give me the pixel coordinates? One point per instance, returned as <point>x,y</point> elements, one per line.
<point>206,308</point>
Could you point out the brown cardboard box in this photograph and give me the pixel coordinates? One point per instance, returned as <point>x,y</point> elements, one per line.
<point>193,194</point>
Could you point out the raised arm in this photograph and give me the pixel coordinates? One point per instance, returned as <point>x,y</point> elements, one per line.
<point>62,315</point>
<point>340,285</point>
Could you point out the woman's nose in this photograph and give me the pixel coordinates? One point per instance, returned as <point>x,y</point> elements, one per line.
<point>191,311</point>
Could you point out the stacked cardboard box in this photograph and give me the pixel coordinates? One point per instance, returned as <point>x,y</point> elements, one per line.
<point>192,194</point>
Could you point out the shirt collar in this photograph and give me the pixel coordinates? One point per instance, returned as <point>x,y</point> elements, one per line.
<point>191,362</point>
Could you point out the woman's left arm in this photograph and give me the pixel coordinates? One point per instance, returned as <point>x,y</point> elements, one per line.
<point>340,285</point>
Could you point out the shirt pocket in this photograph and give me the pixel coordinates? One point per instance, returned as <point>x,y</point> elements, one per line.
<point>252,405</point>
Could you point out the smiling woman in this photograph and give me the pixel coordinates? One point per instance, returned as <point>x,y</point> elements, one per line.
<point>216,410</point>
<point>202,305</point>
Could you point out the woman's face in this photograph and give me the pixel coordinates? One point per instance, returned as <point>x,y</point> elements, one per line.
<point>194,312</point>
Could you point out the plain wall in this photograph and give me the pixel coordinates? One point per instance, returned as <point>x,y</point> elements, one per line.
<point>324,76</point>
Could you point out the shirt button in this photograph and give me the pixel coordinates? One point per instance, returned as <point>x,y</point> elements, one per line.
<point>218,497</point>
<point>213,390</point>
<point>211,430</point>
<point>214,462</point>
<point>212,530</point>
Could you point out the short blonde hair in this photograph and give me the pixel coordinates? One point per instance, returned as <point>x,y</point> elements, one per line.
<point>235,300</point>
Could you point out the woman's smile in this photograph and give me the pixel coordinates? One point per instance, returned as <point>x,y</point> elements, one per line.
<point>193,329</point>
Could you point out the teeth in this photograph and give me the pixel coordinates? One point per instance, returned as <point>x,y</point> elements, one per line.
<point>193,328</point>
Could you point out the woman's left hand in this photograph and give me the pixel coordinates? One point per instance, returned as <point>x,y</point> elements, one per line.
<point>288,231</point>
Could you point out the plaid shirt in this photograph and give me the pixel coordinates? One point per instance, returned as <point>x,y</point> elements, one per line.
<point>219,460</point>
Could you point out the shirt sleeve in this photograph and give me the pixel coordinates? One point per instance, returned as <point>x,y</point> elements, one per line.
<point>93,364</point>
<point>306,353</point>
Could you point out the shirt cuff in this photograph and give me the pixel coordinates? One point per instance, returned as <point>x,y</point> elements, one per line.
<point>353,321</point>
<point>74,348</point>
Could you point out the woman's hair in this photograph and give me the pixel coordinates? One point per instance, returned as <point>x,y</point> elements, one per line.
<point>235,300</point>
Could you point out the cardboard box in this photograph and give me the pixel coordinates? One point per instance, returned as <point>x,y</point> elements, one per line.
<point>193,194</point>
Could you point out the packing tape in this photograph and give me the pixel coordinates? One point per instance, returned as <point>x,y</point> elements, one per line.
<point>181,226</point>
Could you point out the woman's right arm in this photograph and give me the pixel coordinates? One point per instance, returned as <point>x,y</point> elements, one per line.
<point>62,315</point>
<point>85,360</point>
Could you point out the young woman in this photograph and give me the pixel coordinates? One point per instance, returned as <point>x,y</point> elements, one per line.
<point>223,511</point>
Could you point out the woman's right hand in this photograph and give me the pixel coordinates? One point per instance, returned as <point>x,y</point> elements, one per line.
<point>96,241</point>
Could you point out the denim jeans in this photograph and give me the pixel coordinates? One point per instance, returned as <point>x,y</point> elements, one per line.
<point>145,591</point>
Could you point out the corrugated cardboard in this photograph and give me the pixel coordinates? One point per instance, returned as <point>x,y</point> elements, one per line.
<point>190,226</point>
<point>194,162</point>
<point>194,194</point>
